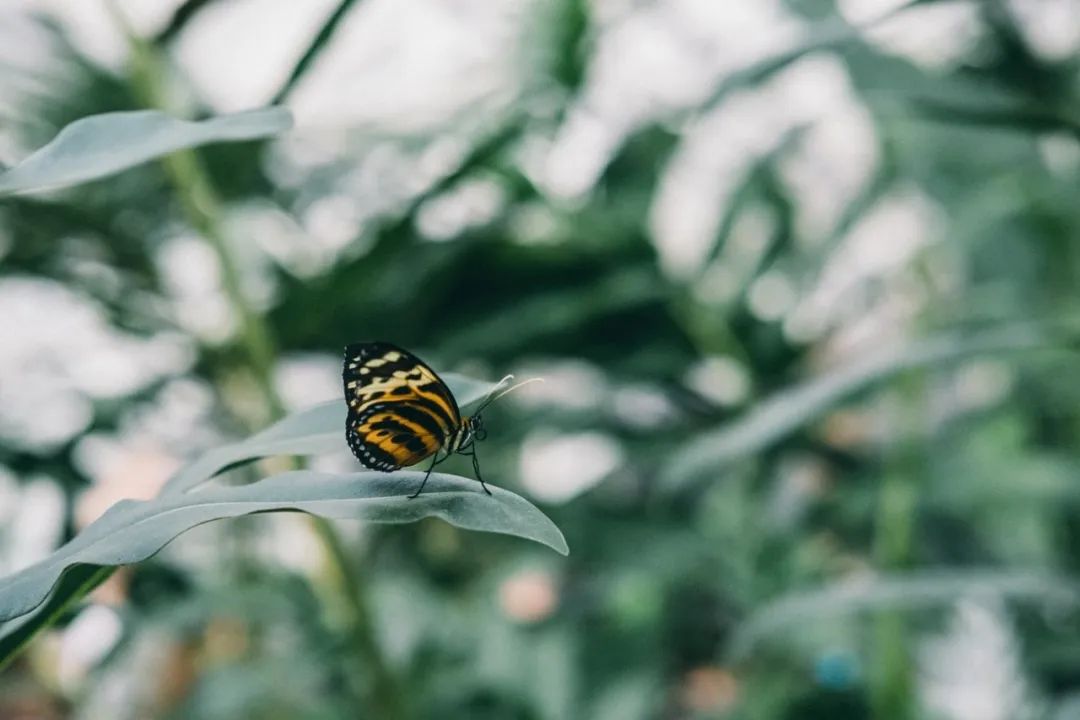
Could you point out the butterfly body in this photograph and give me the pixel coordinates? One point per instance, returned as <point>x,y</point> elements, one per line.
<point>401,412</point>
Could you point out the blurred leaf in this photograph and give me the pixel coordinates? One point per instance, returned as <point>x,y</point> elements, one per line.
<point>570,29</point>
<point>73,586</point>
<point>132,531</point>
<point>627,698</point>
<point>548,318</point>
<point>326,32</point>
<point>180,18</point>
<point>824,35</point>
<point>311,431</point>
<point>785,412</point>
<point>1019,117</point>
<point>106,144</point>
<point>914,591</point>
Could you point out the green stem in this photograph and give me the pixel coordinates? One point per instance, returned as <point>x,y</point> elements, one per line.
<point>892,686</point>
<point>202,208</point>
<point>892,682</point>
<point>386,690</point>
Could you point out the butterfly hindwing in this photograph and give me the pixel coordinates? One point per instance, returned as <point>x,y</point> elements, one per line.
<point>400,411</point>
<point>388,436</point>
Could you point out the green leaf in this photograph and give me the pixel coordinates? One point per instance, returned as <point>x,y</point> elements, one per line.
<point>132,531</point>
<point>785,412</point>
<point>76,584</point>
<point>822,36</point>
<point>1020,117</point>
<point>911,592</point>
<point>320,42</point>
<point>317,429</point>
<point>102,145</point>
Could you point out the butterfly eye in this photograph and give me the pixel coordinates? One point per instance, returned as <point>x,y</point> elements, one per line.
<point>480,434</point>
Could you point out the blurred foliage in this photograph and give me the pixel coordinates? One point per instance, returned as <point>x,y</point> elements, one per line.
<point>888,547</point>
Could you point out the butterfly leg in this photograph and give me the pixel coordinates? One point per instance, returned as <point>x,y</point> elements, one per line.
<point>434,462</point>
<point>476,469</point>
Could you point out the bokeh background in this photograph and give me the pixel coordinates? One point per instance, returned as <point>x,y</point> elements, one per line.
<point>801,275</point>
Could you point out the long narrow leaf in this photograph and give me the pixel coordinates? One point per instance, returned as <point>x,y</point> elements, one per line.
<point>102,145</point>
<point>1018,116</point>
<point>318,44</point>
<point>824,36</point>
<point>76,584</point>
<point>913,592</point>
<point>785,412</point>
<point>132,531</point>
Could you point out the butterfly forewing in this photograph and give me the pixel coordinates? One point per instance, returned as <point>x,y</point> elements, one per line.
<point>400,411</point>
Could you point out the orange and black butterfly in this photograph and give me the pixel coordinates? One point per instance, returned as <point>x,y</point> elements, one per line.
<point>401,412</point>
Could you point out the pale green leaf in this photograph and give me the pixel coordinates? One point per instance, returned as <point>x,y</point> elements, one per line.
<point>132,531</point>
<point>785,412</point>
<point>102,145</point>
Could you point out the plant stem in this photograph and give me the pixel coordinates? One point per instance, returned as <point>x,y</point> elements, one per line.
<point>892,685</point>
<point>202,209</point>
<point>386,690</point>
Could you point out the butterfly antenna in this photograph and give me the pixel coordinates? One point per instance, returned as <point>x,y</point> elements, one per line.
<point>495,394</point>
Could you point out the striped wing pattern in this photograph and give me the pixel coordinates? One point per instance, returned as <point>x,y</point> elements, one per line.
<point>400,412</point>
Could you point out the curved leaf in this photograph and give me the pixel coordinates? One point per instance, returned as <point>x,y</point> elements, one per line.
<point>909,593</point>
<point>318,429</point>
<point>101,145</point>
<point>132,531</point>
<point>785,412</point>
<point>76,584</point>
<point>824,35</point>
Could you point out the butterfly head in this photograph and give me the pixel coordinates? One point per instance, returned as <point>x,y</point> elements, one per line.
<point>472,430</point>
<point>476,428</point>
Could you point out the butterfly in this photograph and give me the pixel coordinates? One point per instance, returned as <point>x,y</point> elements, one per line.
<point>401,412</point>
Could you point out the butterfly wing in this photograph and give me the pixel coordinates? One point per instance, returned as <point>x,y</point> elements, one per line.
<point>400,411</point>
